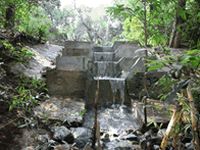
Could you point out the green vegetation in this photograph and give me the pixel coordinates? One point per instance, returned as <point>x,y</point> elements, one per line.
<point>183,80</point>
<point>161,22</point>
<point>28,93</point>
<point>169,23</point>
<point>17,53</point>
<point>35,23</point>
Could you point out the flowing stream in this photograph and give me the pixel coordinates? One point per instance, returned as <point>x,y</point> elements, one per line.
<point>117,120</point>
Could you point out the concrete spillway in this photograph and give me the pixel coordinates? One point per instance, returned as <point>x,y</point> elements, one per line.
<point>82,63</point>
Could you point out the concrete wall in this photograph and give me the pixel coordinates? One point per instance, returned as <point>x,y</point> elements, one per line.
<point>72,74</point>
<point>78,63</point>
<point>126,49</point>
<point>67,83</point>
<point>75,48</point>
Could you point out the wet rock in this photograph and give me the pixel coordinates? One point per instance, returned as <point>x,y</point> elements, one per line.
<point>44,57</point>
<point>89,119</point>
<point>61,109</point>
<point>62,134</point>
<point>106,138</point>
<point>156,147</point>
<point>189,146</point>
<point>131,137</point>
<point>28,148</point>
<point>148,134</point>
<point>62,147</point>
<point>88,147</point>
<point>118,145</point>
<point>117,121</point>
<point>138,133</point>
<point>43,138</point>
<point>82,136</point>
<point>52,143</point>
<point>150,142</point>
<point>161,133</point>
<point>187,139</point>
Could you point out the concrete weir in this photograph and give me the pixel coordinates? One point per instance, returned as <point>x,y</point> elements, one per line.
<point>81,66</point>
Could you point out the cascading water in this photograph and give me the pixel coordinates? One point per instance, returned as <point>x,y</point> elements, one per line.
<point>104,68</point>
<point>107,70</point>
<point>116,120</point>
<point>118,84</point>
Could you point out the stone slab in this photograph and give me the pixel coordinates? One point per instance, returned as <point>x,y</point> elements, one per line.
<point>44,57</point>
<point>61,109</point>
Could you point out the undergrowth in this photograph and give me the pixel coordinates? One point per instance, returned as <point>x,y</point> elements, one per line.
<point>15,52</point>
<point>28,93</point>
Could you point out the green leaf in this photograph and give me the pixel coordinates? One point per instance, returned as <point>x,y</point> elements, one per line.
<point>155,65</point>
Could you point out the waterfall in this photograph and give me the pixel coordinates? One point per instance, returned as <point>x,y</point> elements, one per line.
<point>107,70</point>
<point>118,84</point>
<point>104,68</point>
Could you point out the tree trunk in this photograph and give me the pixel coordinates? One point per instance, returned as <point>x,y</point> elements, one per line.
<point>10,17</point>
<point>175,40</point>
<point>170,129</point>
<point>195,122</point>
<point>145,23</point>
<point>96,141</point>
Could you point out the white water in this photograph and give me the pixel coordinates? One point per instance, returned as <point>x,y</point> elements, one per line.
<point>108,69</point>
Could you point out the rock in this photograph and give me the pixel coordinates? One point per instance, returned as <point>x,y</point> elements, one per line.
<point>161,133</point>
<point>28,148</point>
<point>131,137</point>
<point>61,109</point>
<point>118,145</point>
<point>106,138</point>
<point>146,135</point>
<point>52,143</point>
<point>88,147</point>
<point>62,147</point>
<point>138,133</point>
<point>82,136</point>
<point>156,147</point>
<point>62,134</point>
<point>43,138</point>
<point>187,139</point>
<point>115,121</point>
<point>150,142</point>
<point>189,146</point>
<point>44,57</point>
<point>89,119</point>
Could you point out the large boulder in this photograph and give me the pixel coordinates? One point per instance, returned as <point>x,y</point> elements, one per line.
<point>62,134</point>
<point>83,136</point>
<point>64,110</point>
<point>44,57</point>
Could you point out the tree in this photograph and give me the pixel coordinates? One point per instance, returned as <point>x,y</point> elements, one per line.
<point>9,17</point>
<point>187,77</point>
<point>157,19</point>
<point>177,29</point>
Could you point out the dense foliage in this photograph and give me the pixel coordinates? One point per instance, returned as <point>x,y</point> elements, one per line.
<point>46,20</point>
<point>28,93</point>
<point>162,19</point>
